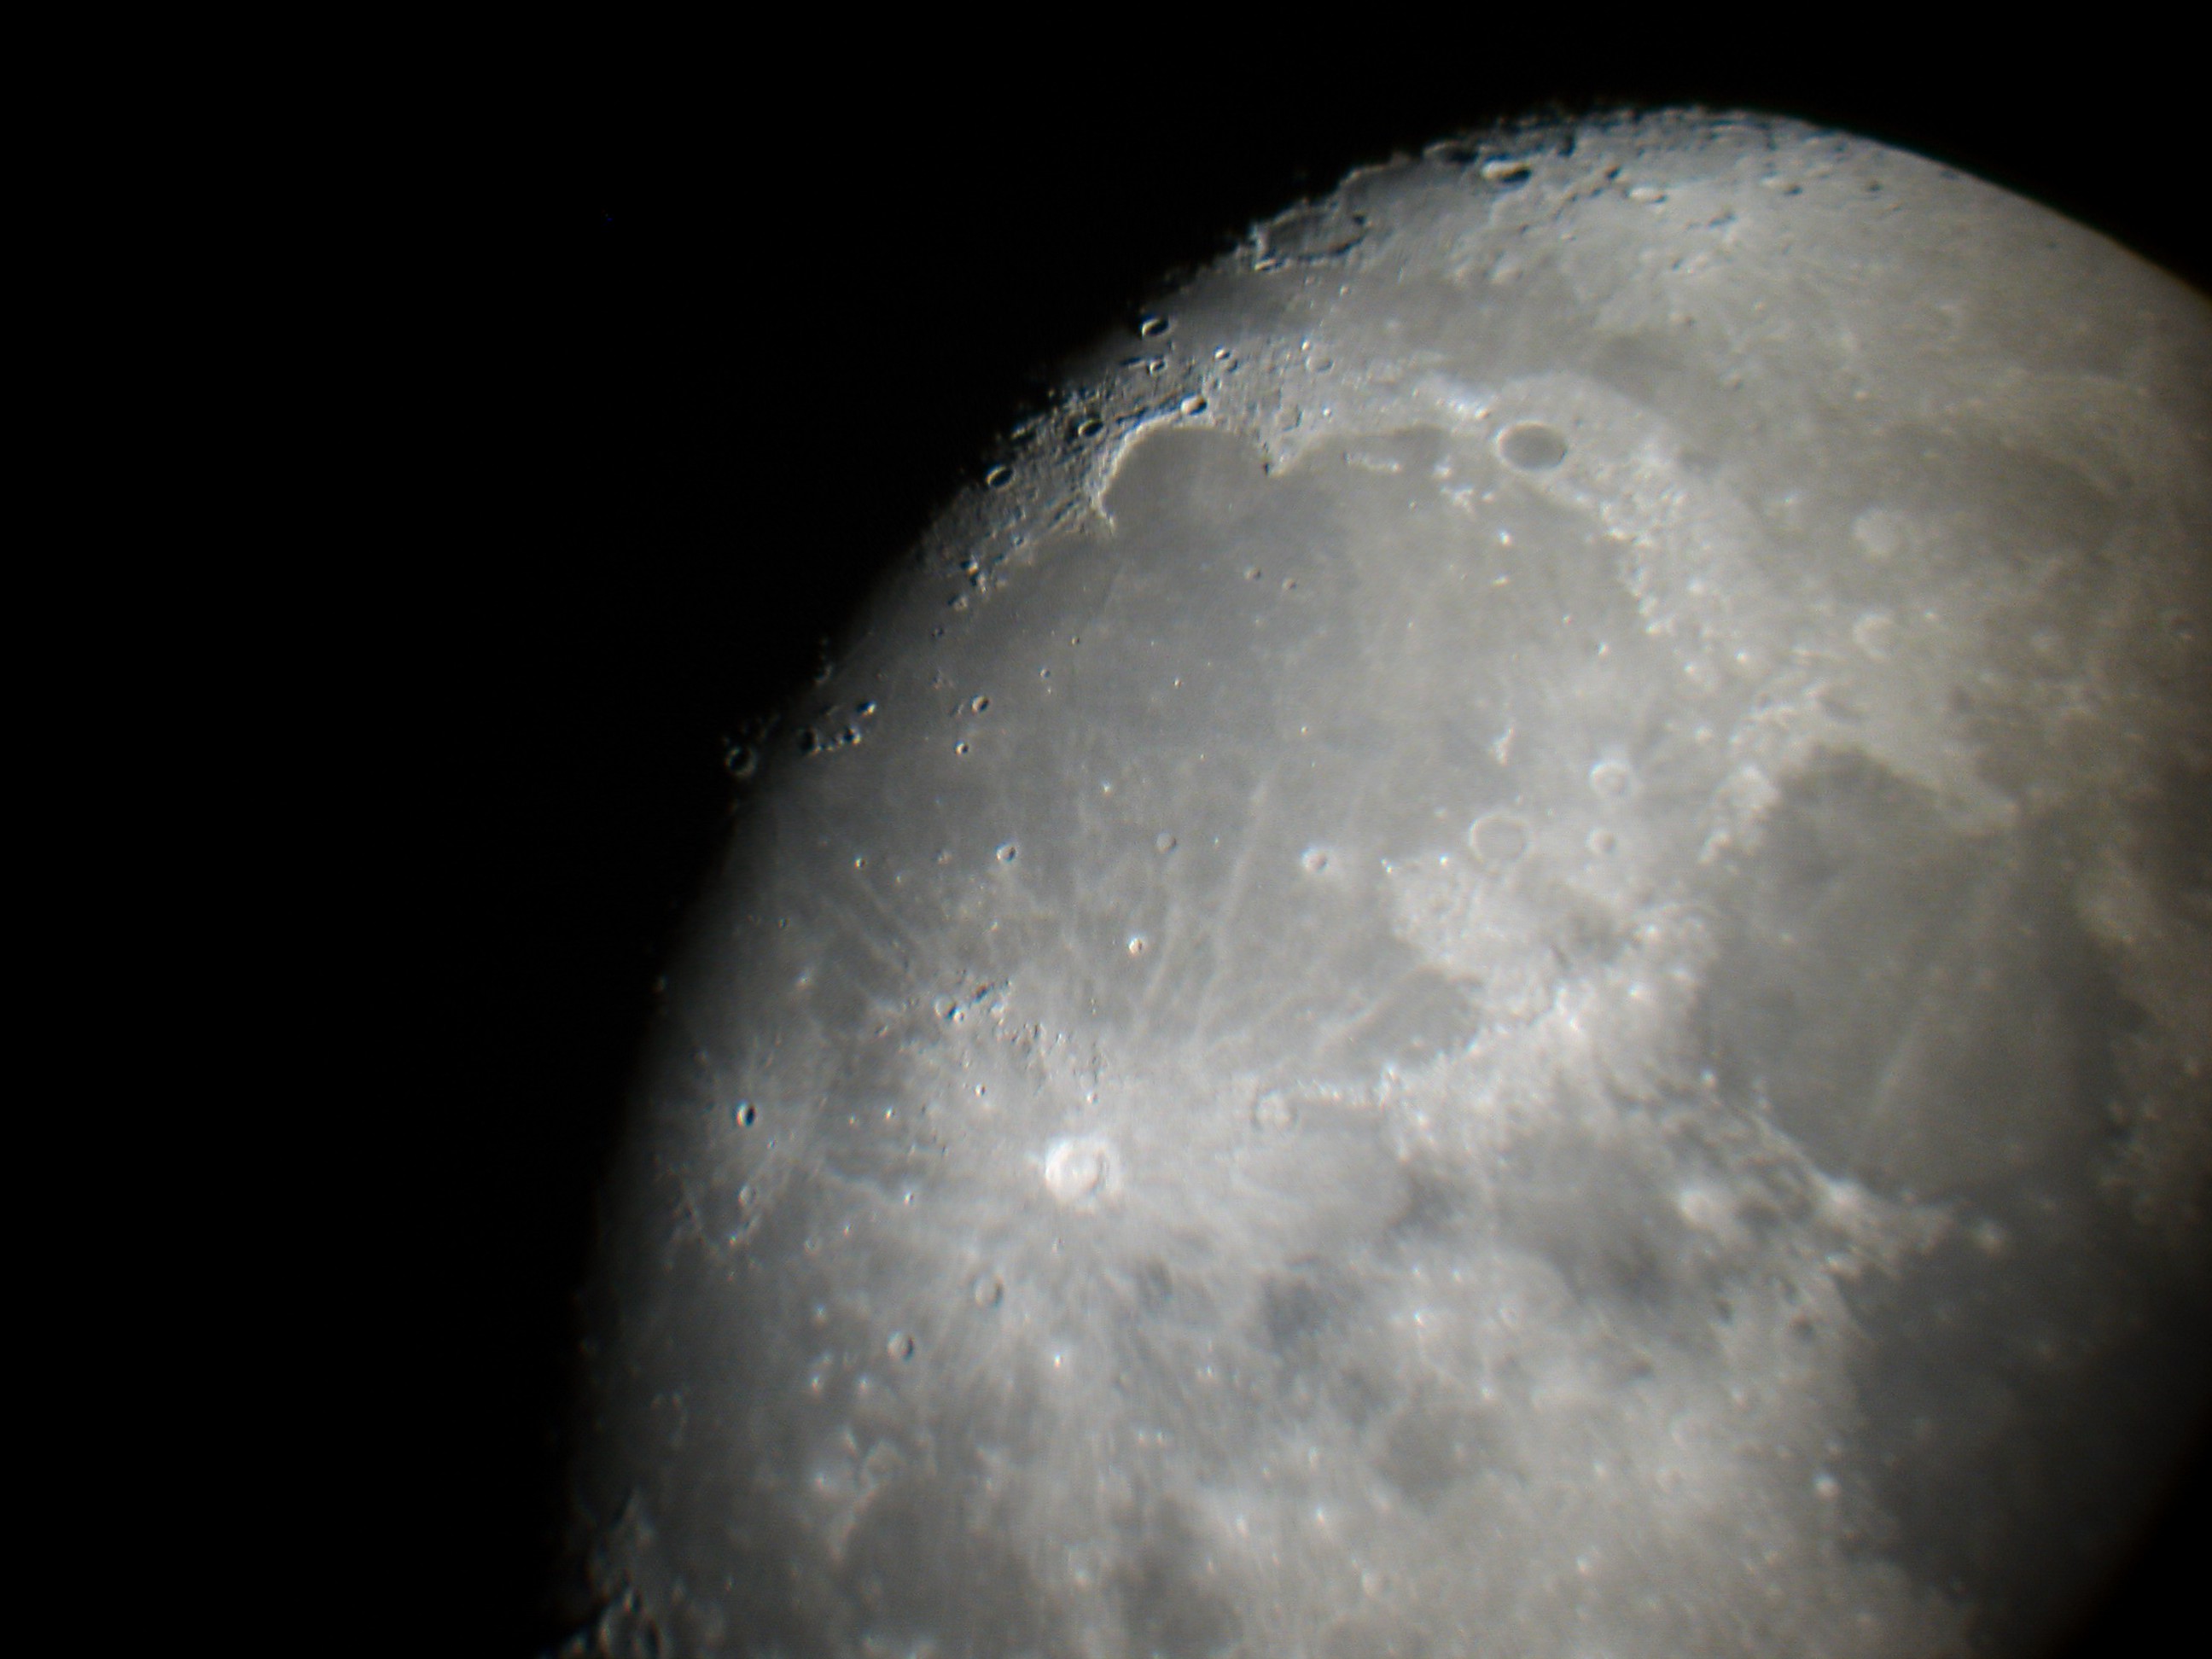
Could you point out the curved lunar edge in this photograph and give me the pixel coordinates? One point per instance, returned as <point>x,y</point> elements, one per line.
<point>1508,951</point>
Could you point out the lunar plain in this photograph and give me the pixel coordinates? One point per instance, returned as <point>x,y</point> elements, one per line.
<point>1506,949</point>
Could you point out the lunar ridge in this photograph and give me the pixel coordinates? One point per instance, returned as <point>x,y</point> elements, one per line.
<point>1508,952</point>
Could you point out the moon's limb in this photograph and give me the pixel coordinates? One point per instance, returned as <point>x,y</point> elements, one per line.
<point>1518,963</point>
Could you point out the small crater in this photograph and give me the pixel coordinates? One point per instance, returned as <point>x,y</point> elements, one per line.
<point>1531,446</point>
<point>1611,780</point>
<point>745,1113</point>
<point>1498,838</point>
<point>1079,1171</point>
<point>1313,860</point>
<point>1163,843</point>
<point>901,1346</point>
<point>1007,853</point>
<point>988,1290</point>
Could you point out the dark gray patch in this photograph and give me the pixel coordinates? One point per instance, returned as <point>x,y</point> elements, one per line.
<point>1173,1604</point>
<point>1430,1445</point>
<point>1153,1284</point>
<point>1919,1010</point>
<point>2007,1407</point>
<point>1829,927</point>
<point>1360,1394</point>
<point>1376,1636</point>
<point>2174,828</point>
<point>1298,1313</point>
<point>1532,446</point>
<point>1598,1216</point>
<point>959,1585</point>
<point>1437,1199</point>
<point>1293,1313</point>
<point>1309,1318</point>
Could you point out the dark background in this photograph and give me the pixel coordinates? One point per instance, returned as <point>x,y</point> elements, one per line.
<point>720,337</point>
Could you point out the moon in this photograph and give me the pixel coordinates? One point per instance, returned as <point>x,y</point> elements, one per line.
<point>1505,948</point>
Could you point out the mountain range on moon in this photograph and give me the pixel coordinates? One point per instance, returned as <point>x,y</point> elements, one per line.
<point>1508,952</point>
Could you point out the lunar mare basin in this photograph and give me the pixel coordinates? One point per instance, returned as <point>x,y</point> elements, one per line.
<point>1507,950</point>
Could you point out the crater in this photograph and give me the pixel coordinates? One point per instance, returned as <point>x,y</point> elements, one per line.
<point>1079,1170</point>
<point>1498,838</point>
<point>1531,446</point>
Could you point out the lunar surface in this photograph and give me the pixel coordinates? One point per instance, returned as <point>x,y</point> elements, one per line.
<point>1506,949</point>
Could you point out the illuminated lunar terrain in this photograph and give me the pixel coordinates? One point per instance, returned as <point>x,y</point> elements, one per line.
<point>1508,952</point>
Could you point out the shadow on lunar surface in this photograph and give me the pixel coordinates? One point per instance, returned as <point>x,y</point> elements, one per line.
<point>2007,1407</point>
<point>1902,996</point>
<point>1170,1592</point>
<point>1923,1012</point>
